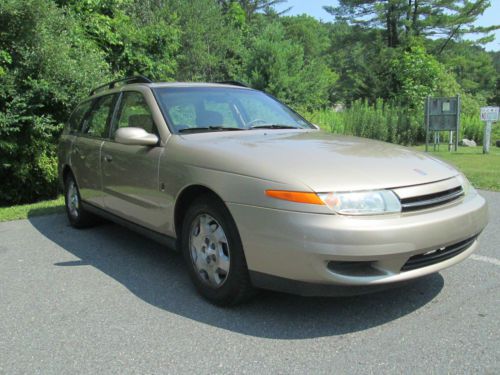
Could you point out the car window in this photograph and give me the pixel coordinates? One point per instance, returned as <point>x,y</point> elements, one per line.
<point>224,110</point>
<point>95,124</point>
<point>135,112</point>
<point>183,115</point>
<point>188,108</point>
<point>75,120</point>
<point>256,109</point>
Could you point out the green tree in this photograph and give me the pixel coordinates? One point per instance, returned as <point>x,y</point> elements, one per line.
<point>416,75</point>
<point>496,63</point>
<point>48,67</point>
<point>251,7</point>
<point>212,42</point>
<point>359,57</point>
<point>472,67</point>
<point>277,65</point>
<point>447,19</point>
<point>137,37</point>
<point>312,34</point>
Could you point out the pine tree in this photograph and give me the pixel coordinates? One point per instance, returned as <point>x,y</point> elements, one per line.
<point>401,19</point>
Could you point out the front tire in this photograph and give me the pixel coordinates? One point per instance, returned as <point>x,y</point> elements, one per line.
<point>213,252</point>
<point>77,216</point>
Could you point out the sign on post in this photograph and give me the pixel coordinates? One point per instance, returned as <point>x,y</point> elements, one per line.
<point>488,115</point>
<point>442,114</point>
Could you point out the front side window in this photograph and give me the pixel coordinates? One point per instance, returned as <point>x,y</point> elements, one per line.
<point>96,123</point>
<point>135,112</point>
<point>192,108</point>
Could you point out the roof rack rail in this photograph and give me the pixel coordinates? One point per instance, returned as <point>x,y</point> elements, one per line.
<point>112,84</point>
<point>234,83</point>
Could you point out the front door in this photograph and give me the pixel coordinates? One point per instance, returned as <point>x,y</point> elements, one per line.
<point>129,172</point>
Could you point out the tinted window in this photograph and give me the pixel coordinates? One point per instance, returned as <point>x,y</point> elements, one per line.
<point>75,121</point>
<point>204,107</point>
<point>135,112</point>
<point>96,123</point>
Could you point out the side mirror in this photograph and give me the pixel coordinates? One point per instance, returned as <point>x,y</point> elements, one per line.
<point>135,136</point>
<point>316,127</point>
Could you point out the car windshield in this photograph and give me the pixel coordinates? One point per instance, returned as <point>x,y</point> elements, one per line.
<point>199,109</point>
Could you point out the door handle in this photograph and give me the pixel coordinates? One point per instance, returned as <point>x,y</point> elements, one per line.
<point>108,158</point>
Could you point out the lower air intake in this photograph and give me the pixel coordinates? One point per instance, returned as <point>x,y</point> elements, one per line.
<point>435,256</point>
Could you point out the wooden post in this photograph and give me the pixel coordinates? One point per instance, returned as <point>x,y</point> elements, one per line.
<point>487,137</point>
<point>457,135</point>
<point>427,124</point>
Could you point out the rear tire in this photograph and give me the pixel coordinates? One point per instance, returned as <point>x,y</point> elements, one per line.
<point>77,216</point>
<point>213,252</point>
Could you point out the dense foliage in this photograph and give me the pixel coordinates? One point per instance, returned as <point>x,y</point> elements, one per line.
<point>377,60</point>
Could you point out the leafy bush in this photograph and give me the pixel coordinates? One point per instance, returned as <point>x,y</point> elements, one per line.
<point>47,68</point>
<point>277,65</point>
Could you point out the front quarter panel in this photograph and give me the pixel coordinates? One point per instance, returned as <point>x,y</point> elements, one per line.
<point>179,170</point>
<point>231,188</point>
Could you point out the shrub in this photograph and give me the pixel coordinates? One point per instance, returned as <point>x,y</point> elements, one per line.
<point>47,67</point>
<point>388,122</point>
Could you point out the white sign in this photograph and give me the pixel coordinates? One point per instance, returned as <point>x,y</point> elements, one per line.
<point>489,113</point>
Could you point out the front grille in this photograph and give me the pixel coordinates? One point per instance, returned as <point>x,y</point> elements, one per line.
<point>438,255</point>
<point>431,200</point>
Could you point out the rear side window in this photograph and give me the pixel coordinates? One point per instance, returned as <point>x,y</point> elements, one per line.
<point>96,123</point>
<point>135,112</point>
<point>75,120</point>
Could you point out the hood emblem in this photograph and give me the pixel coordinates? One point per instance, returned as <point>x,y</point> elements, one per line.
<point>420,172</point>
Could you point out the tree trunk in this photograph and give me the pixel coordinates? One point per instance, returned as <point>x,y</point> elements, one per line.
<point>392,25</point>
<point>414,25</point>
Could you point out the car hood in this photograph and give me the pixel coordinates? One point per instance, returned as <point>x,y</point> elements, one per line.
<point>321,161</point>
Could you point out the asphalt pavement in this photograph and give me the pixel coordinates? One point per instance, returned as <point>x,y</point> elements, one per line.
<point>108,301</point>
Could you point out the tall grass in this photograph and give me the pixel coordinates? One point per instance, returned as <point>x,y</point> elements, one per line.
<point>387,122</point>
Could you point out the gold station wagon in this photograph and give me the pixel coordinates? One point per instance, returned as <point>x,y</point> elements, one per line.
<point>257,197</point>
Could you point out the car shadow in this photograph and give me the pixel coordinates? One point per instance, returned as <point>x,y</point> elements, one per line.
<point>158,277</point>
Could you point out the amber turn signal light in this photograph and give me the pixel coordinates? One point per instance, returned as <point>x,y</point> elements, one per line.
<point>295,196</point>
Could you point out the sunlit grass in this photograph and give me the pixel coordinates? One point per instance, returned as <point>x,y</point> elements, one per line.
<point>29,210</point>
<point>482,170</point>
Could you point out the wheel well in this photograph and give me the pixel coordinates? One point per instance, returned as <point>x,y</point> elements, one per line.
<point>187,196</point>
<point>65,172</point>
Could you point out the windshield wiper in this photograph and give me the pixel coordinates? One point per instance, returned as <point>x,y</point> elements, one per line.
<point>208,129</point>
<point>274,126</point>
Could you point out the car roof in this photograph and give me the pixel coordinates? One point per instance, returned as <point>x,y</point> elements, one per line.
<point>192,84</point>
<point>102,90</point>
<point>121,84</point>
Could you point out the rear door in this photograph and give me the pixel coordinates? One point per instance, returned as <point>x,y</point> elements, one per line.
<point>130,172</point>
<point>86,150</point>
<point>70,133</point>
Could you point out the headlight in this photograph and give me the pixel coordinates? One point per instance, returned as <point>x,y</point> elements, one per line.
<point>362,202</point>
<point>466,185</point>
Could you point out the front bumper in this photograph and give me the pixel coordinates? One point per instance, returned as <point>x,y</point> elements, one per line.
<point>294,246</point>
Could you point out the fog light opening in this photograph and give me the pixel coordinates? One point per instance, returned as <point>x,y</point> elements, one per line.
<point>354,268</point>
